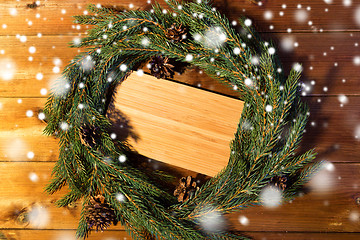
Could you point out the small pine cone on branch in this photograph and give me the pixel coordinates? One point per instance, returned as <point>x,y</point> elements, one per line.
<point>279,181</point>
<point>186,188</point>
<point>89,135</point>
<point>176,33</point>
<point>99,214</point>
<point>161,68</point>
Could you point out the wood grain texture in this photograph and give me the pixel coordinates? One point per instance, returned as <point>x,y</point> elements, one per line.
<point>334,142</point>
<point>55,16</point>
<point>177,124</point>
<point>329,206</point>
<point>122,235</point>
<point>52,54</point>
<point>327,49</point>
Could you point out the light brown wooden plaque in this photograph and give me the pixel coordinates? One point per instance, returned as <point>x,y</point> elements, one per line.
<point>178,124</point>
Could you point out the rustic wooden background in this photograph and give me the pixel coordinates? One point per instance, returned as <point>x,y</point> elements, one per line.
<point>321,35</point>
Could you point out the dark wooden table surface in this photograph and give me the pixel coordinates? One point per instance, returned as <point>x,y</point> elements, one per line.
<point>322,35</point>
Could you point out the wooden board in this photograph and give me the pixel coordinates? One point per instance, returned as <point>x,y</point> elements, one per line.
<point>332,38</point>
<point>53,52</point>
<point>122,235</point>
<point>333,210</point>
<point>55,16</point>
<point>178,124</point>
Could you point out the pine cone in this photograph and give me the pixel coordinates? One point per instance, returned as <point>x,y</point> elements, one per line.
<point>89,135</point>
<point>176,33</point>
<point>279,181</point>
<point>99,214</point>
<point>186,188</point>
<point>161,68</point>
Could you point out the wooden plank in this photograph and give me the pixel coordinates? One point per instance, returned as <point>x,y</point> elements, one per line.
<point>122,235</point>
<point>52,54</point>
<point>334,210</point>
<point>333,130</point>
<point>55,16</point>
<point>179,125</point>
<point>60,235</point>
<point>330,206</point>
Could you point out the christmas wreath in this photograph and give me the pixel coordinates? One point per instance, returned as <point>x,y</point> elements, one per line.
<point>99,169</point>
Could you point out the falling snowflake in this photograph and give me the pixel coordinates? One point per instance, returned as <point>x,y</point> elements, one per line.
<point>343,99</point>
<point>323,181</point>
<point>29,113</point>
<point>145,42</point>
<point>356,60</point>
<point>33,177</point>
<point>248,22</point>
<point>87,64</point>
<point>212,221</point>
<point>64,126</point>
<point>38,217</point>
<point>39,76</point>
<point>244,220</point>
<point>30,155</point>
<point>60,86</point>
<point>120,197</point>
<point>189,58</point>
<point>301,16</point>
<point>347,3</point>
<point>297,67</point>
<point>214,37</point>
<point>271,196</point>
<point>32,49</point>
<point>123,67</point>
<point>7,69</point>
<point>122,158</point>
<point>287,43</point>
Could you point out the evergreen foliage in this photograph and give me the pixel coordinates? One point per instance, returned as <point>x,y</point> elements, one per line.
<point>264,145</point>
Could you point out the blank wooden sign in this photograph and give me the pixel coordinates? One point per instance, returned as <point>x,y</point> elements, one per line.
<point>179,124</point>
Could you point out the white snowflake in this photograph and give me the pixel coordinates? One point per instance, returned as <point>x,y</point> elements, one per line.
<point>297,67</point>
<point>32,49</point>
<point>33,177</point>
<point>356,60</point>
<point>248,22</point>
<point>38,217</point>
<point>214,37</point>
<point>120,197</point>
<point>64,126</point>
<point>145,41</point>
<point>39,76</point>
<point>287,43</point>
<point>212,221</point>
<point>123,67</point>
<point>271,51</point>
<point>87,64</point>
<point>301,15</point>
<point>189,57</point>
<point>29,113</point>
<point>347,3</point>
<point>43,91</point>
<point>7,69</point>
<point>343,99</point>
<point>244,220</point>
<point>328,1</point>
<point>41,116</point>
<point>268,15</point>
<point>323,181</point>
<point>60,86</point>
<point>271,196</point>
<point>268,108</point>
<point>30,155</point>
<point>122,158</point>
<point>140,72</point>
<point>237,51</point>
